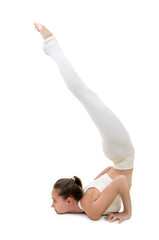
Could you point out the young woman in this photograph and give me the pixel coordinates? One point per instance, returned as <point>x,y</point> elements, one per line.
<point>102,196</point>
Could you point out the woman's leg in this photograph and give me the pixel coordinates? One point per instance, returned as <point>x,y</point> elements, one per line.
<point>116,142</point>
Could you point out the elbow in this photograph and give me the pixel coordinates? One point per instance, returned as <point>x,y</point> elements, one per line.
<point>94,217</point>
<point>93,212</point>
<point>121,179</point>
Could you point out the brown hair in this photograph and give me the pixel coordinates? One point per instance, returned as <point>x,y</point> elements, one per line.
<point>70,187</point>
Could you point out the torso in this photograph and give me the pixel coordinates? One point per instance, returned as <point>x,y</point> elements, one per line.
<point>113,173</point>
<point>93,193</point>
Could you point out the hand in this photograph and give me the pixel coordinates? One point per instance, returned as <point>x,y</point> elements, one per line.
<point>117,216</point>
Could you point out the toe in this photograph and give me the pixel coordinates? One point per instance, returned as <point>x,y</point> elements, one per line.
<point>38,26</point>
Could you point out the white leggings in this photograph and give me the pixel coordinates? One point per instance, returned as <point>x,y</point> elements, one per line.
<point>116,142</point>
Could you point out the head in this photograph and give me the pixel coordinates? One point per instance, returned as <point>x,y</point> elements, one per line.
<point>66,193</point>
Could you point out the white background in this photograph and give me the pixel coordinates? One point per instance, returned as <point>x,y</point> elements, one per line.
<point>46,134</point>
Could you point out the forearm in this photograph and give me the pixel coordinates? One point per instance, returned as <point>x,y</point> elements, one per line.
<point>125,195</point>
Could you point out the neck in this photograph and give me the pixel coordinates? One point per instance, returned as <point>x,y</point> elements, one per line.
<point>76,208</point>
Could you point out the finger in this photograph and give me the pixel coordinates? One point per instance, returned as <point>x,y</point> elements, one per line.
<point>111,214</point>
<point>107,217</point>
<point>113,219</point>
<point>121,220</point>
<point>110,217</point>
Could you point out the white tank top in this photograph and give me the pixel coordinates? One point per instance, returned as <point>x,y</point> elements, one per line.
<point>101,183</point>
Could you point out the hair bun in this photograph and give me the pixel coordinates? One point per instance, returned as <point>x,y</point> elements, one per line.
<point>77,181</point>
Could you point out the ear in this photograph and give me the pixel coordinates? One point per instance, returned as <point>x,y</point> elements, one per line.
<point>69,200</point>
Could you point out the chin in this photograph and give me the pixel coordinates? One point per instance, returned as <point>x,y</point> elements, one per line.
<point>59,212</point>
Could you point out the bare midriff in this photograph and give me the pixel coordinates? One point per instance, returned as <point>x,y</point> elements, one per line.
<point>113,173</point>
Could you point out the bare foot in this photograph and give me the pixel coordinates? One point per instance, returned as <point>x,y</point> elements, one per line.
<point>45,33</point>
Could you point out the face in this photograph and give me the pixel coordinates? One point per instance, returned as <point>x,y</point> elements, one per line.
<point>59,204</point>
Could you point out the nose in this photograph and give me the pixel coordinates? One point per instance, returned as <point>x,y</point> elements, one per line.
<point>52,205</point>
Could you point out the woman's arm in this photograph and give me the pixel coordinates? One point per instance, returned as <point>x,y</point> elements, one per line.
<point>95,209</point>
<point>103,172</point>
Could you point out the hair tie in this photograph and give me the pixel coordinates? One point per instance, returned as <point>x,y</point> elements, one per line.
<point>73,179</point>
